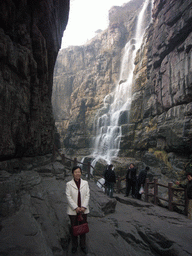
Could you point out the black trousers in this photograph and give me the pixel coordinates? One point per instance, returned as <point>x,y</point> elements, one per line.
<point>74,222</point>
<point>130,184</point>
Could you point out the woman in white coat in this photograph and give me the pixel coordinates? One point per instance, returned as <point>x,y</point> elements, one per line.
<point>78,194</point>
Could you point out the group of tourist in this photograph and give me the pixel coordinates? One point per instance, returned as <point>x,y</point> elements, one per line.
<point>134,183</point>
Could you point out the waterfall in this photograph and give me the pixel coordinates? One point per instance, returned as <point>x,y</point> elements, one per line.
<point>117,104</point>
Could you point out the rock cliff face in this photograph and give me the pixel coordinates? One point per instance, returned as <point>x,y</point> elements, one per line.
<point>84,75</point>
<point>161,109</point>
<point>30,37</point>
<point>160,126</point>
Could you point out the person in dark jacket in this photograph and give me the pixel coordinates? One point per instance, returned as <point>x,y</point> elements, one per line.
<point>131,180</point>
<point>110,180</point>
<point>141,181</point>
<point>189,193</point>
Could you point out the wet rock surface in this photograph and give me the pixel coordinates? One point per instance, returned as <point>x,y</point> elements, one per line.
<point>139,228</point>
<point>159,126</point>
<point>33,219</point>
<point>84,75</point>
<point>30,38</point>
<point>34,222</point>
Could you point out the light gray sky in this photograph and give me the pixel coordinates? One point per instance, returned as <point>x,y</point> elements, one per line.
<point>86,17</point>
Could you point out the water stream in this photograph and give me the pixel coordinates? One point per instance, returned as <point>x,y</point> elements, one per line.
<point>117,104</point>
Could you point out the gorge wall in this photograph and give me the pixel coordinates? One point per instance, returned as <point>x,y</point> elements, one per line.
<point>160,126</point>
<point>161,111</point>
<point>84,75</point>
<point>30,38</point>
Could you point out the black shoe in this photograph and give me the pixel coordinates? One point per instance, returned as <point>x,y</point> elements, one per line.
<point>74,249</point>
<point>84,249</point>
<point>125,195</point>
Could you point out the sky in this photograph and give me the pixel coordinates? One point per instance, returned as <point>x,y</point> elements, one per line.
<point>86,17</point>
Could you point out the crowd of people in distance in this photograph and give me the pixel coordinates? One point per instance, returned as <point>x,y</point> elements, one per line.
<point>133,183</point>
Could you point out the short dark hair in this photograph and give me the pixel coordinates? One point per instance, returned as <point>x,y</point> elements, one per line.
<point>147,168</point>
<point>75,168</point>
<point>110,166</point>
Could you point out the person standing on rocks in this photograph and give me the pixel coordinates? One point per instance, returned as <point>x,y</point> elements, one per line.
<point>78,195</point>
<point>131,180</point>
<point>141,181</point>
<point>189,192</point>
<point>110,180</point>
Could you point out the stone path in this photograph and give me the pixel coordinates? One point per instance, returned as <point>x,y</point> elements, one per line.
<point>137,228</point>
<point>36,223</point>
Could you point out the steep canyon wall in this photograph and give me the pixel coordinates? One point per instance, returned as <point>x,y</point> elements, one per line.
<point>161,108</point>
<point>84,75</point>
<point>160,118</point>
<point>30,38</point>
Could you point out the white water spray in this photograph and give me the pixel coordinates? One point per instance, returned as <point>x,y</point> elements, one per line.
<point>117,104</point>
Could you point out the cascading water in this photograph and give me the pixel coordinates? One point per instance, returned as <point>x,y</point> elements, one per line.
<point>117,104</point>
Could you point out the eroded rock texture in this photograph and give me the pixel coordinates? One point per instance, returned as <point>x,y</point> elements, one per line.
<point>162,92</point>
<point>84,75</point>
<point>30,37</point>
<point>159,131</point>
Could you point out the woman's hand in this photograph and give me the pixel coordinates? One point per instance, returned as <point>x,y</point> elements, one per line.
<point>83,209</point>
<point>78,209</point>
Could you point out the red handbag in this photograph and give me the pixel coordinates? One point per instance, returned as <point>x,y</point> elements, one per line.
<point>80,229</point>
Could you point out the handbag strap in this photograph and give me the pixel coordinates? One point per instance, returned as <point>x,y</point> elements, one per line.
<point>79,217</point>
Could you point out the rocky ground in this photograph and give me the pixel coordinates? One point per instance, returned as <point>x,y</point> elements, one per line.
<point>33,219</point>
<point>137,228</point>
